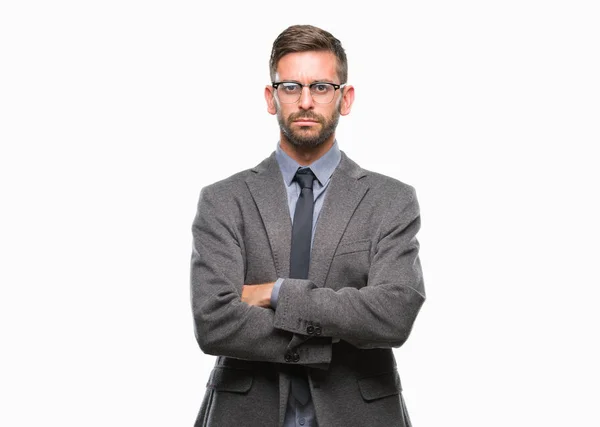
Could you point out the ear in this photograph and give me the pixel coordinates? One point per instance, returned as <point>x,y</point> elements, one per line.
<point>347,100</point>
<point>270,98</point>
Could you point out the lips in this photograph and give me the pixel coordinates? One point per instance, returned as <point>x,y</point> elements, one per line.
<point>306,122</point>
<point>305,118</point>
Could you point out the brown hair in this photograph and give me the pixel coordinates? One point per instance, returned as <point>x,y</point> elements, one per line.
<point>303,38</point>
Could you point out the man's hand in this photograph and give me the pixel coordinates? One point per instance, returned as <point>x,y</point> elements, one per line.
<point>258,295</point>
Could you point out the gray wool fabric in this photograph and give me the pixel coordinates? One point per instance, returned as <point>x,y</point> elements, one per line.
<point>362,296</point>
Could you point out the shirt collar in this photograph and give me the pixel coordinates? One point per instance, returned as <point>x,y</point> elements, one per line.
<point>323,167</point>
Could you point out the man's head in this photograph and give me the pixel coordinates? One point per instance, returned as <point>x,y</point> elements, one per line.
<point>306,38</point>
<point>309,70</point>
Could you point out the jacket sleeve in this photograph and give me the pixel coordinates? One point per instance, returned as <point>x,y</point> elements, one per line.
<point>224,325</point>
<point>379,315</point>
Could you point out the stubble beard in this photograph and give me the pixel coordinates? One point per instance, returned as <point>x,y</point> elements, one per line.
<point>304,137</point>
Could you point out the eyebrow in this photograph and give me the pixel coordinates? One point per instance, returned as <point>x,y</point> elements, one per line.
<point>314,81</point>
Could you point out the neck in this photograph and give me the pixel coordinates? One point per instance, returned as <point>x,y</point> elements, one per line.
<point>305,155</point>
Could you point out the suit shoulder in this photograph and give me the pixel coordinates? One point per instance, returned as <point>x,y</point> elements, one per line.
<point>397,198</point>
<point>376,181</point>
<point>220,197</point>
<point>388,185</point>
<point>236,182</point>
<point>228,184</point>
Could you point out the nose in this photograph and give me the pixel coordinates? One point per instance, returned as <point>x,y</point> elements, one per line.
<point>306,102</point>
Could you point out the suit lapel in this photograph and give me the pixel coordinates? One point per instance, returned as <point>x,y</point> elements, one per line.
<point>269,193</point>
<point>343,196</point>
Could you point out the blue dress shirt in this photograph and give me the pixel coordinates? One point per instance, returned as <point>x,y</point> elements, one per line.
<point>298,415</point>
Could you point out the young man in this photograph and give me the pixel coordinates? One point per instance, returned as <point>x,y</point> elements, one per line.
<point>305,269</point>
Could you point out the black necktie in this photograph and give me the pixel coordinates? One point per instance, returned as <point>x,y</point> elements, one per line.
<point>300,257</point>
<point>302,225</point>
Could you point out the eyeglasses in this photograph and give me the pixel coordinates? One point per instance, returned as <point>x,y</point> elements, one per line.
<point>321,93</point>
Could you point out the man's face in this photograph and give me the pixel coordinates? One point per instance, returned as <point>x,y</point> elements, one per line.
<point>307,123</point>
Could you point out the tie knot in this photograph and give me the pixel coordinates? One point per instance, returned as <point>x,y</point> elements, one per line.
<point>305,178</point>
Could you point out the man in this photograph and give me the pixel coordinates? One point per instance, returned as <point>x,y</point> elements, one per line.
<point>305,269</point>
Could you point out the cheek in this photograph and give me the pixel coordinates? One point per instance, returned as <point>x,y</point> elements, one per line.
<point>283,112</point>
<point>330,113</point>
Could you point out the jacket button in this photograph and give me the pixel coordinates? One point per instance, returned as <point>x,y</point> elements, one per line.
<point>295,357</point>
<point>318,330</point>
<point>310,330</point>
<point>288,357</point>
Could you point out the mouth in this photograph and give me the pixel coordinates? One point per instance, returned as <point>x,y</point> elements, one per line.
<point>305,122</point>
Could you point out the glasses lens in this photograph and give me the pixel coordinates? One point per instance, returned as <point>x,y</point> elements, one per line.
<point>322,92</point>
<point>289,92</point>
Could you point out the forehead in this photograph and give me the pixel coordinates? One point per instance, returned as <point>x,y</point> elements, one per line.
<point>307,67</point>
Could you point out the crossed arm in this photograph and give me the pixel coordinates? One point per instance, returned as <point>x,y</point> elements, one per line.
<point>225,325</point>
<point>234,319</point>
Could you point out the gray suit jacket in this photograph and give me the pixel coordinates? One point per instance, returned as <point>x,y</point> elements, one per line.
<point>364,291</point>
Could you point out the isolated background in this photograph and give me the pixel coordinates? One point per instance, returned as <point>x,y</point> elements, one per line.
<point>114,114</point>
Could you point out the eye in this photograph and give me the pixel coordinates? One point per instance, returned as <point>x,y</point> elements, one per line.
<point>321,87</point>
<point>290,87</point>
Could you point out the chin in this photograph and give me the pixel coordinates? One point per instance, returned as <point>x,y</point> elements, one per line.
<point>308,143</point>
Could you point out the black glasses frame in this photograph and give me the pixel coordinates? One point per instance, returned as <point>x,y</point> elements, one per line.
<point>310,86</point>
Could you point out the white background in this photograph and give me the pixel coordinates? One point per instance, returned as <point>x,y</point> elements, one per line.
<point>114,114</point>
